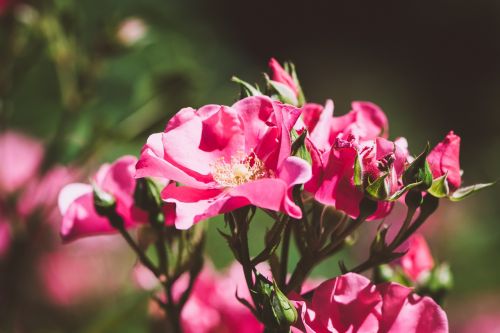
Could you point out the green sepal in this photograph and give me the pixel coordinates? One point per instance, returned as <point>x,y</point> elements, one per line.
<point>283,310</point>
<point>246,88</point>
<point>283,93</point>
<point>298,146</point>
<point>398,194</point>
<point>439,187</point>
<point>358,172</point>
<point>419,171</point>
<point>147,195</point>
<point>378,190</point>
<point>290,68</point>
<point>104,202</point>
<point>464,192</point>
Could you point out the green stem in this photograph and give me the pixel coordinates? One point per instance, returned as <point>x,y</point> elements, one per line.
<point>285,249</point>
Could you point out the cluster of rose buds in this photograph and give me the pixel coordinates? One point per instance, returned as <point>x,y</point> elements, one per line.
<point>318,177</point>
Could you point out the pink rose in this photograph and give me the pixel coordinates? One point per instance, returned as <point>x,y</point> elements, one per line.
<point>21,157</point>
<point>226,158</point>
<point>280,75</point>
<point>333,182</point>
<point>76,202</point>
<point>444,159</point>
<point>366,121</point>
<point>351,303</point>
<point>418,259</point>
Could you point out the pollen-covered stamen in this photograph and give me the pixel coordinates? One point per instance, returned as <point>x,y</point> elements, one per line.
<point>241,169</point>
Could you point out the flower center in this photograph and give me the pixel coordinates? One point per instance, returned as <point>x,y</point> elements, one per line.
<point>240,170</point>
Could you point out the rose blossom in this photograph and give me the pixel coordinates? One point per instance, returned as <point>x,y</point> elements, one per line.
<point>366,121</point>
<point>444,159</point>
<point>352,303</point>
<point>335,183</point>
<point>76,202</point>
<point>226,158</point>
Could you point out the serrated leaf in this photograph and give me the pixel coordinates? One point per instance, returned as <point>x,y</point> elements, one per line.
<point>378,190</point>
<point>464,192</point>
<point>439,187</point>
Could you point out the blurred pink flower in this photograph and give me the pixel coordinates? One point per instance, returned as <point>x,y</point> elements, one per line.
<point>4,237</point>
<point>444,159</point>
<point>227,158</point>
<point>351,303</point>
<point>84,271</point>
<point>40,194</point>
<point>486,322</point>
<point>131,31</point>
<point>76,202</point>
<point>280,75</point>
<point>418,259</point>
<point>212,306</point>
<point>21,157</point>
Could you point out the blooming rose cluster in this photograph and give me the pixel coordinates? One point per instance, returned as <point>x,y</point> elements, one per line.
<point>260,152</point>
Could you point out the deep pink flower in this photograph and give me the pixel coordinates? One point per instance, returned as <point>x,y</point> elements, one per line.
<point>333,183</point>
<point>21,157</point>
<point>280,75</point>
<point>76,202</point>
<point>418,259</point>
<point>226,158</point>
<point>444,158</point>
<point>366,121</point>
<point>351,303</point>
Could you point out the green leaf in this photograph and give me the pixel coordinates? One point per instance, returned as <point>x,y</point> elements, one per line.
<point>464,192</point>
<point>285,94</point>
<point>378,190</point>
<point>419,171</point>
<point>439,187</point>
<point>291,69</point>
<point>246,88</point>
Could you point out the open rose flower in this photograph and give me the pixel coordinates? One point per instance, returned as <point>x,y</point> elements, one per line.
<point>352,303</point>
<point>334,180</point>
<point>76,202</point>
<point>444,159</point>
<point>418,260</point>
<point>226,158</point>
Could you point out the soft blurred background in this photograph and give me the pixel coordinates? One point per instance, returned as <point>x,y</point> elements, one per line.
<point>92,79</point>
